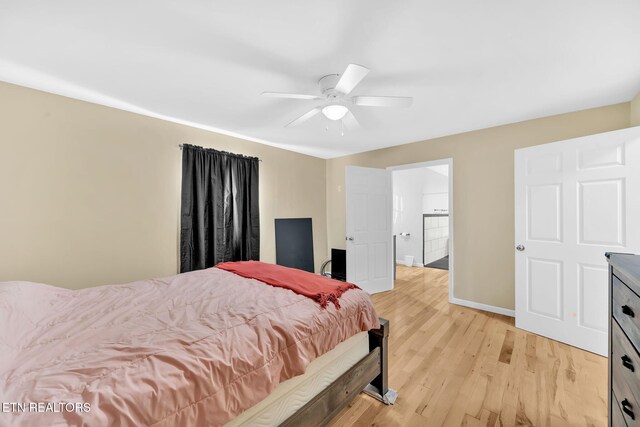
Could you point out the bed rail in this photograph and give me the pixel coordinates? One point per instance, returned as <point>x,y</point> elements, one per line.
<point>370,375</point>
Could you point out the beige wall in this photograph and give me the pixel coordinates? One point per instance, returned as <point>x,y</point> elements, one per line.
<point>635,111</point>
<point>483,192</point>
<point>90,195</point>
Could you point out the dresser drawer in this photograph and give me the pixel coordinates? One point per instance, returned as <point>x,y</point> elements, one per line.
<point>625,359</point>
<point>625,400</point>
<point>626,310</point>
<point>617,419</point>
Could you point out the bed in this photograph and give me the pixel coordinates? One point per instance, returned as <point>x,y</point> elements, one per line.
<point>202,348</point>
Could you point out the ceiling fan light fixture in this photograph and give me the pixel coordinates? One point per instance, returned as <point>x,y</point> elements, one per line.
<point>335,111</point>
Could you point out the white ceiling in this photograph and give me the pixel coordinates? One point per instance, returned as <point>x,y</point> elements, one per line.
<point>468,64</point>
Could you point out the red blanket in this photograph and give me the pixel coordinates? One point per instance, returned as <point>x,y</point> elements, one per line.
<point>314,286</point>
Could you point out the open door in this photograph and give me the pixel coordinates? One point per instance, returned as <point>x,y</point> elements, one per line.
<point>369,228</point>
<point>574,201</point>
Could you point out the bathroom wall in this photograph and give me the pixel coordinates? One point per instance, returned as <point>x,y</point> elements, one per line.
<point>435,200</point>
<point>416,192</point>
<point>407,213</point>
<point>436,238</point>
<point>435,193</point>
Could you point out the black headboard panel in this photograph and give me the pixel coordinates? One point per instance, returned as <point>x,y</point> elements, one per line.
<point>294,243</point>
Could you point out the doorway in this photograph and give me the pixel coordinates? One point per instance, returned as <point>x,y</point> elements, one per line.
<point>422,215</point>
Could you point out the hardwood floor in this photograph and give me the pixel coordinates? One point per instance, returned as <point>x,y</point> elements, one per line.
<point>458,366</point>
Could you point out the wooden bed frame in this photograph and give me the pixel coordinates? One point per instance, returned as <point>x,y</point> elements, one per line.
<point>370,375</point>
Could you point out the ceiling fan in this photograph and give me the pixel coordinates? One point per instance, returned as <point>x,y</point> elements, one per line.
<point>335,90</point>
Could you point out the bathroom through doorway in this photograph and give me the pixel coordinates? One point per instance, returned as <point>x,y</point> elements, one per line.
<point>422,215</point>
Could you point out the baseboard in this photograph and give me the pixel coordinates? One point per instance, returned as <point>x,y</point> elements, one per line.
<point>484,307</point>
<point>415,263</point>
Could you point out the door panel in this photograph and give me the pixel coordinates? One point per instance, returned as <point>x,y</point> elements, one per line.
<point>369,228</point>
<point>591,313</point>
<point>574,201</point>
<point>544,286</point>
<point>360,212</point>
<point>601,156</point>
<point>377,207</point>
<point>544,164</point>
<point>380,264</point>
<point>601,212</point>
<point>361,265</point>
<point>544,216</point>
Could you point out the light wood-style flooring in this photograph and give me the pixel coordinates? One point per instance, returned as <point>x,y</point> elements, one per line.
<point>457,366</point>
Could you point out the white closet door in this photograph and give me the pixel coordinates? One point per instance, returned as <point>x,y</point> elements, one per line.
<point>574,201</point>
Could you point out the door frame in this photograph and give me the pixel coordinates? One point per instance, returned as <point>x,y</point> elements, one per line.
<point>449,162</point>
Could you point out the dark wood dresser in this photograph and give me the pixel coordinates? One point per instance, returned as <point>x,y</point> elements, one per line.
<point>624,339</point>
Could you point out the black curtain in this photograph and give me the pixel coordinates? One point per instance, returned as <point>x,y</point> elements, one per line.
<point>219,213</point>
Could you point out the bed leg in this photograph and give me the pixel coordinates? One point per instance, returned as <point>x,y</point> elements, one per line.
<point>379,387</point>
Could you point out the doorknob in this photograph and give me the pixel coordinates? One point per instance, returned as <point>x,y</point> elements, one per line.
<point>350,239</point>
<point>520,248</point>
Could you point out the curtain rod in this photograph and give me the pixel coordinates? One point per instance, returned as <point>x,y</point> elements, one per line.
<point>224,152</point>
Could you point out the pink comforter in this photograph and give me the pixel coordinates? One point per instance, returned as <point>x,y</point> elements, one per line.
<point>193,349</point>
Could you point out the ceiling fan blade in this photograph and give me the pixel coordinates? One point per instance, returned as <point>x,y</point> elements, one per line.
<point>382,101</point>
<point>289,95</point>
<point>350,78</point>
<point>350,121</point>
<point>303,118</point>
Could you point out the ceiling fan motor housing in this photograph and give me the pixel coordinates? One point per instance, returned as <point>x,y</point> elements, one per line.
<point>327,87</point>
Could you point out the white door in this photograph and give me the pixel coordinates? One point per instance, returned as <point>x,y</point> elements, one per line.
<point>574,201</point>
<point>369,228</point>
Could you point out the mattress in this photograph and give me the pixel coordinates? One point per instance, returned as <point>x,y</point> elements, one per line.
<point>294,393</point>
